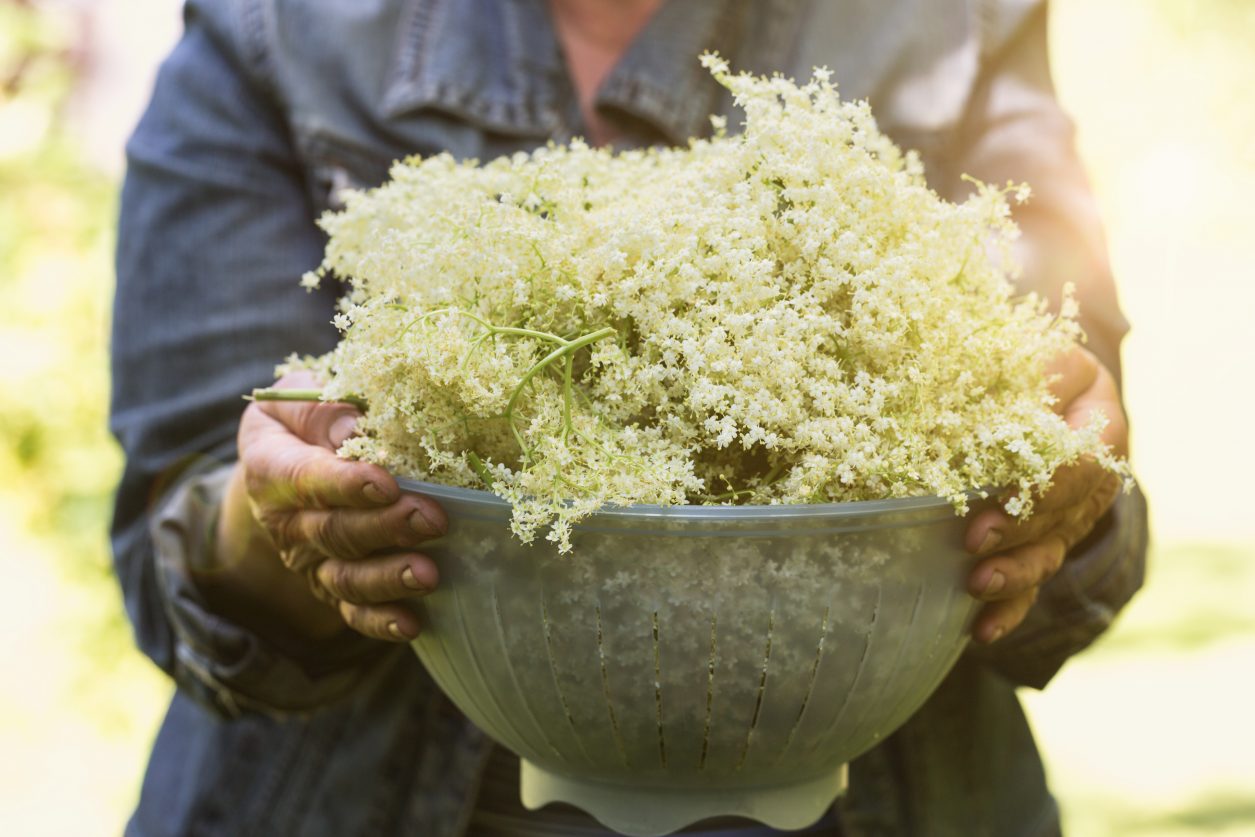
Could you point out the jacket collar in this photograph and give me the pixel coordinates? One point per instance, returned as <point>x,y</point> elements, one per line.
<point>659,80</point>
<point>492,63</point>
<point>497,65</point>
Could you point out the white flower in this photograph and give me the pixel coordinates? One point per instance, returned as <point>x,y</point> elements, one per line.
<point>785,316</point>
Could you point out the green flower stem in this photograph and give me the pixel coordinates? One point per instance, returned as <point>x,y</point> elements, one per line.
<point>477,465</point>
<point>568,348</point>
<point>475,344</point>
<point>568,366</point>
<point>564,351</point>
<point>527,332</point>
<point>272,394</point>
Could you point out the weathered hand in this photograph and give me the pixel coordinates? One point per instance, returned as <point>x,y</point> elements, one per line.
<point>1023,555</point>
<point>343,528</point>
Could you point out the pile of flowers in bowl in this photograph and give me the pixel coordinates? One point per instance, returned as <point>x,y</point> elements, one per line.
<point>788,315</point>
<point>668,355</point>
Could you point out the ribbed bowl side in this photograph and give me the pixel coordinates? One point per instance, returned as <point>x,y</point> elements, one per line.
<point>690,650</point>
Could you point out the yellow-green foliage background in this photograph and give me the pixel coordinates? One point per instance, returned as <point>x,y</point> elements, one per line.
<point>1150,733</point>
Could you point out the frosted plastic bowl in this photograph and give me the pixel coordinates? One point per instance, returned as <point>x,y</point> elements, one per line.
<point>695,661</point>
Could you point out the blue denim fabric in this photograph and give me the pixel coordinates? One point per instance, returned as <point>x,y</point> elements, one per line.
<point>263,113</point>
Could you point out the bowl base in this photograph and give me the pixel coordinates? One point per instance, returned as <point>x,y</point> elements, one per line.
<point>654,811</point>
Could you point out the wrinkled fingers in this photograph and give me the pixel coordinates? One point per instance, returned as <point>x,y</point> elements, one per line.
<point>998,619</point>
<point>355,533</point>
<point>286,473</point>
<point>377,580</point>
<point>1012,574</point>
<point>993,530</point>
<point>393,622</point>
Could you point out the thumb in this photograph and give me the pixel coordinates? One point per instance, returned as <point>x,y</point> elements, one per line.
<point>327,424</point>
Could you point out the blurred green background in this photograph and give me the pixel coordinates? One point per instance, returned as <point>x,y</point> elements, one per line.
<point>1152,732</point>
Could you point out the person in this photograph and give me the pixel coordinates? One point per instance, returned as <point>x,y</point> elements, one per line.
<point>268,576</point>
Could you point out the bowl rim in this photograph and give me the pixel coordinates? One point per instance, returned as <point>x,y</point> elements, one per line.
<point>489,502</point>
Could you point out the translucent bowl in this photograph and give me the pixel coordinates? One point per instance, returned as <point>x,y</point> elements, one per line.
<point>695,661</point>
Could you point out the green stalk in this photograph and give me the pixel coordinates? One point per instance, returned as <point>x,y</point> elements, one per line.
<point>273,394</point>
<point>564,350</point>
<point>568,348</point>
<point>477,465</point>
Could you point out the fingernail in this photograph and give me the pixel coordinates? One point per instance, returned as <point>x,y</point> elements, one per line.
<point>423,524</point>
<point>408,579</point>
<point>395,630</point>
<point>341,429</point>
<point>993,637</point>
<point>996,582</point>
<point>992,538</point>
<point>374,493</point>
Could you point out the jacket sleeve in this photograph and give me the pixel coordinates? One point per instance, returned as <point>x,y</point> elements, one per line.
<point>215,230</point>
<point>1015,130</point>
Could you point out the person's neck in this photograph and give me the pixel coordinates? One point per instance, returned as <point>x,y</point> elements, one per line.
<point>609,25</point>
<point>594,35</point>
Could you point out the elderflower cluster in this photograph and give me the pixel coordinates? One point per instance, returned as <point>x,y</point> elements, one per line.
<point>789,315</point>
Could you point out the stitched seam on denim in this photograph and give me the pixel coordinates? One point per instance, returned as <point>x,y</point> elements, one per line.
<point>523,106</point>
<point>410,80</point>
<point>413,33</point>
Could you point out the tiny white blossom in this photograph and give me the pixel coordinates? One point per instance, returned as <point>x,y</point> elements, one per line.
<point>787,315</point>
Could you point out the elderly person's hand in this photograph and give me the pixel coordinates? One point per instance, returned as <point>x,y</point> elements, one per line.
<point>1020,556</point>
<point>309,542</point>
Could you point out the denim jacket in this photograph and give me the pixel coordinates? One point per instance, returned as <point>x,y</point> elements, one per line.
<point>263,114</point>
